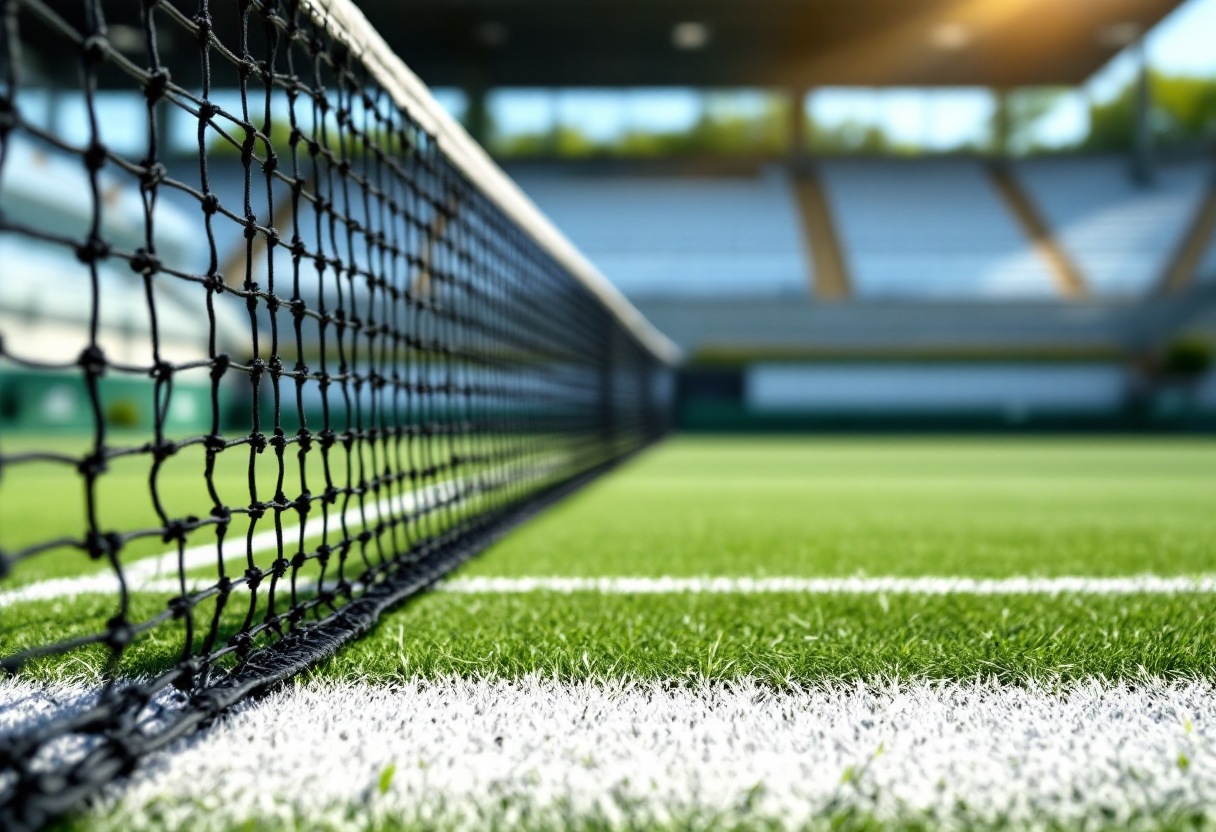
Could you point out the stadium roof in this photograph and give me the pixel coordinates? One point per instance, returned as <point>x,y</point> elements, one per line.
<point>799,43</point>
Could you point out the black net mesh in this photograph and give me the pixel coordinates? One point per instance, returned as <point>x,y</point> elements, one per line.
<point>270,362</point>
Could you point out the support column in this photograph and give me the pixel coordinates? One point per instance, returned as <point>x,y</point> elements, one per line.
<point>476,115</point>
<point>797,127</point>
<point>1142,152</point>
<point>1002,123</point>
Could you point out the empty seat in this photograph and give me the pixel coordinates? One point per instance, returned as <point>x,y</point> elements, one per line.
<point>1121,234</point>
<point>930,228</point>
<point>678,235</point>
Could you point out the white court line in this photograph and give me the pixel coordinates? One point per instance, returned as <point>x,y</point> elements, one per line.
<point>158,572</point>
<point>1065,585</point>
<point>484,754</point>
<point>1132,585</point>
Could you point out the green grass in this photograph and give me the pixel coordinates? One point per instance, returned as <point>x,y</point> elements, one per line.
<point>977,507</point>
<point>46,500</point>
<point>804,507</point>
<point>789,639</point>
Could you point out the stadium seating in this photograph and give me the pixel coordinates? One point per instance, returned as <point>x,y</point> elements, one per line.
<point>1120,234</point>
<point>680,235</point>
<point>930,229</point>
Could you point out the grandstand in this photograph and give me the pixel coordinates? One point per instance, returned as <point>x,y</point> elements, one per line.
<point>927,259</point>
<point>1074,265</point>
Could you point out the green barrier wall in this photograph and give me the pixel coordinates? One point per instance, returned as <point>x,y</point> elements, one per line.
<point>59,401</point>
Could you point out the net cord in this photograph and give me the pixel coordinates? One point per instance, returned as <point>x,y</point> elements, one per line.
<point>407,90</point>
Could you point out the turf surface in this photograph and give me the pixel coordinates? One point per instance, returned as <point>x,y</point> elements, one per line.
<point>784,507</point>
<point>977,507</point>
<point>753,507</point>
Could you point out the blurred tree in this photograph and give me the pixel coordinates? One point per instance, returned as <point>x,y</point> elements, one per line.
<point>1184,115</point>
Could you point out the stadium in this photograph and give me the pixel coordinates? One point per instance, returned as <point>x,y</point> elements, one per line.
<point>431,415</point>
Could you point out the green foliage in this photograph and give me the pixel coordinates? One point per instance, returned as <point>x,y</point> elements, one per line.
<point>1026,109</point>
<point>1189,356</point>
<point>122,413</point>
<point>386,778</point>
<point>1183,114</point>
<point>855,137</point>
<point>722,129</point>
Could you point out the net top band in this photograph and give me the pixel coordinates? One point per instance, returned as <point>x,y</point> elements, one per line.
<point>347,22</point>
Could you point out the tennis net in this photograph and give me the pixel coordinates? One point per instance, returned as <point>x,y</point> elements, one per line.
<point>279,346</point>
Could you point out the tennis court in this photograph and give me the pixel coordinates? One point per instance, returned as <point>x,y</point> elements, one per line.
<point>839,633</point>
<point>340,489</point>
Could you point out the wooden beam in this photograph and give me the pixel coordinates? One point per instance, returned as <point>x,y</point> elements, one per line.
<point>831,274</point>
<point>1187,259</point>
<point>1068,277</point>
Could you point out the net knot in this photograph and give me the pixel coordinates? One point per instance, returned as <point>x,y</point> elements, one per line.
<point>103,544</point>
<point>175,530</point>
<point>303,503</point>
<point>188,669</point>
<point>323,553</point>
<point>118,632</point>
<point>93,361</point>
<point>207,110</point>
<point>92,250</point>
<point>219,366</point>
<point>210,203</point>
<point>157,84</point>
<point>253,577</point>
<point>251,226</point>
<point>145,262</point>
<point>162,371</point>
<point>223,514</point>
<point>95,156</point>
<point>248,144</point>
<point>180,607</point>
<point>224,586</point>
<point>279,568</point>
<point>304,434</point>
<point>8,115</point>
<point>203,21</point>
<point>327,438</point>
<point>257,441</point>
<point>162,450</point>
<point>152,175</point>
<point>93,49</point>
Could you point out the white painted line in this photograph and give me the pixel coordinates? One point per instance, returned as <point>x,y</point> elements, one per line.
<point>1132,585</point>
<point>491,754</point>
<point>158,573</point>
